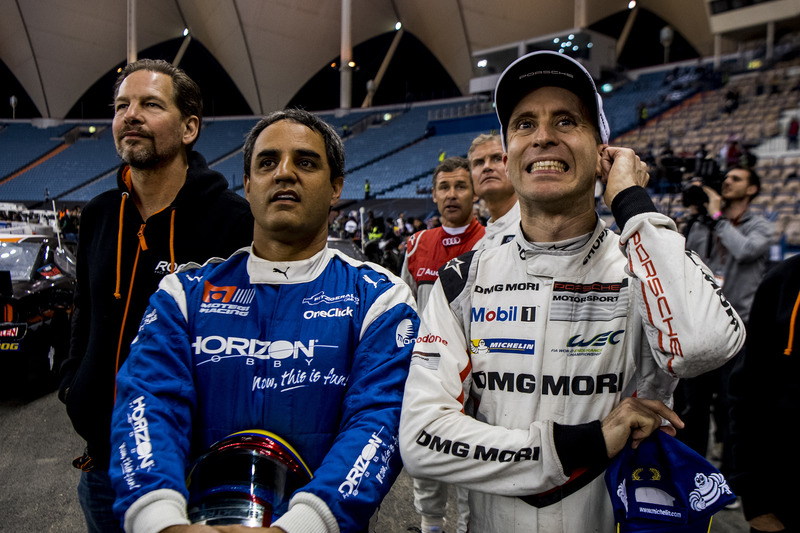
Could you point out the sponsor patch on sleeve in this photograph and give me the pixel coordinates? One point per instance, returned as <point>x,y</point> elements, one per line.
<point>427,360</point>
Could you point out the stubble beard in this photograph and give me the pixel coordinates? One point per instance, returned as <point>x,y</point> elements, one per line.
<point>147,156</point>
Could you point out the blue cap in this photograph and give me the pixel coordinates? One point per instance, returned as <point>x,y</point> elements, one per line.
<point>665,486</point>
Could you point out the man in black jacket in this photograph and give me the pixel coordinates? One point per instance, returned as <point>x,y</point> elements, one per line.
<point>764,404</point>
<point>169,209</point>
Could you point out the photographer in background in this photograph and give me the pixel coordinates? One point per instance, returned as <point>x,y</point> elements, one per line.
<point>695,200</point>
<point>734,242</point>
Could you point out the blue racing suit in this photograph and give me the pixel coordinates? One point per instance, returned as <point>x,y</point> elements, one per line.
<point>316,351</point>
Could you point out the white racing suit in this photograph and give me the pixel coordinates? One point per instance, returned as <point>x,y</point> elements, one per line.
<point>546,343</point>
<point>500,231</point>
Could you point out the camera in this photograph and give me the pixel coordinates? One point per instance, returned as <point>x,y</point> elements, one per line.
<point>694,196</point>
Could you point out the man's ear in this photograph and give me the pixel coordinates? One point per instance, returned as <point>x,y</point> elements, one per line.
<point>599,169</point>
<point>191,129</point>
<point>337,184</point>
<point>247,187</point>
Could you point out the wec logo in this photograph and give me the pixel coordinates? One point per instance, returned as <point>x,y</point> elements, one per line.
<point>601,339</point>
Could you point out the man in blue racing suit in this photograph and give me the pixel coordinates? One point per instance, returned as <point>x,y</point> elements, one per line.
<point>288,336</point>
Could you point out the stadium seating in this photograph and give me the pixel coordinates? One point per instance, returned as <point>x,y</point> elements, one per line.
<point>22,144</point>
<point>397,147</point>
<point>79,161</point>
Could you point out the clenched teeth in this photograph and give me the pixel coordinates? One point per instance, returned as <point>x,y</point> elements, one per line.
<point>547,165</point>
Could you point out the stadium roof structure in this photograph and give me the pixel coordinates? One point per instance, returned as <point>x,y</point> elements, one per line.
<point>58,49</point>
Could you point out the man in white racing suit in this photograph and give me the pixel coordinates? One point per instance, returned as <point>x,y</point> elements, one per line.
<point>570,339</point>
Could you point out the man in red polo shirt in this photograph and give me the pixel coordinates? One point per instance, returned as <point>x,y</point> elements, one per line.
<point>428,250</point>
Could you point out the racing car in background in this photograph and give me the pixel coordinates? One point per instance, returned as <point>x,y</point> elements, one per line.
<point>37,283</point>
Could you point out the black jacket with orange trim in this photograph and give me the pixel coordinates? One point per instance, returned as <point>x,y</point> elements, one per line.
<point>764,401</point>
<point>120,261</point>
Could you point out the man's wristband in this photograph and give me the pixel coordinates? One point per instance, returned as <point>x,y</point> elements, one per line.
<point>717,215</point>
<point>629,203</point>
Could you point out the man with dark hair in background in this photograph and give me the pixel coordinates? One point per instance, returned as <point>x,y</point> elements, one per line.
<point>491,185</point>
<point>317,352</point>
<point>169,209</point>
<point>426,252</point>
<point>734,242</point>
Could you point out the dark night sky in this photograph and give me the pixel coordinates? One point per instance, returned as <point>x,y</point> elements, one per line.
<point>414,74</point>
<point>643,48</point>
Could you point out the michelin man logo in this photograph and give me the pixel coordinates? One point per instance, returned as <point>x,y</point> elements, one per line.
<point>622,494</point>
<point>709,489</point>
<point>404,334</point>
<point>480,348</point>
